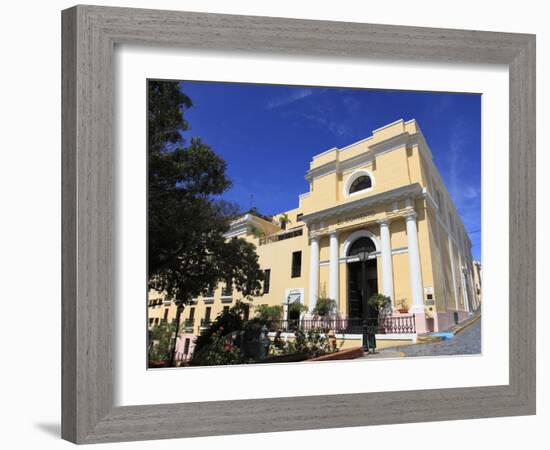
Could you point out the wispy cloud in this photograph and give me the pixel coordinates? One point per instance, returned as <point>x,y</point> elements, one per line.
<point>285,100</point>
<point>463,188</point>
<point>337,128</point>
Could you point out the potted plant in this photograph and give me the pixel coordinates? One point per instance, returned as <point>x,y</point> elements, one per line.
<point>402,304</point>
<point>324,307</point>
<point>284,220</point>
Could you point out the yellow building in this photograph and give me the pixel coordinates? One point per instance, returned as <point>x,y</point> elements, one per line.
<point>377,218</point>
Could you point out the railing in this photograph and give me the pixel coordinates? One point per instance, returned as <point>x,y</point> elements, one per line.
<point>387,325</point>
<point>189,323</point>
<point>281,237</point>
<point>205,323</point>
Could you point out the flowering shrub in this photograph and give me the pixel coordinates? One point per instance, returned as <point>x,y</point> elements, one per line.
<point>312,343</point>
<point>221,351</point>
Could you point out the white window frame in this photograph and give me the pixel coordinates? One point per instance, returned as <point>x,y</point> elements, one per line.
<point>351,178</point>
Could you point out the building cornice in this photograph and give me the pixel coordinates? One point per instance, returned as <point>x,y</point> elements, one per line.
<point>242,225</point>
<point>387,145</point>
<point>322,170</point>
<point>408,191</point>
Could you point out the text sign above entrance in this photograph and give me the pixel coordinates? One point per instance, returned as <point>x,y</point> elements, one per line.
<point>355,218</point>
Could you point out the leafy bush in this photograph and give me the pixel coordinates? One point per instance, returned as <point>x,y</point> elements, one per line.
<point>226,322</point>
<point>297,308</point>
<point>312,343</point>
<point>269,314</point>
<point>324,307</point>
<point>220,351</point>
<point>381,304</point>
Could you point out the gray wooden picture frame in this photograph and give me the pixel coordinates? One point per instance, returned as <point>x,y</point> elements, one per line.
<point>89,37</point>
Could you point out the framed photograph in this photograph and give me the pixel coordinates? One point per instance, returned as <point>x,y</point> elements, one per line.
<point>278,224</point>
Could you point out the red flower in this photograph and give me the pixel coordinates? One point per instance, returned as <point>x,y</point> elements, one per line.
<point>221,328</point>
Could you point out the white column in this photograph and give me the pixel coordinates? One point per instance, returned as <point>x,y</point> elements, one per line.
<point>414,264</point>
<point>387,268</point>
<point>463,283</point>
<point>313,272</point>
<point>453,271</point>
<point>334,268</point>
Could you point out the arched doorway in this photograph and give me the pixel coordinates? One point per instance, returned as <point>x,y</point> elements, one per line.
<point>362,278</point>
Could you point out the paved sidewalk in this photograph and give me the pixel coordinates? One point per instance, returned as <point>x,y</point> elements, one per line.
<point>382,354</point>
<point>466,342</point>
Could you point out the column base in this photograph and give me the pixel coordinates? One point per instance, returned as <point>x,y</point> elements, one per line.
<point>421,322</point>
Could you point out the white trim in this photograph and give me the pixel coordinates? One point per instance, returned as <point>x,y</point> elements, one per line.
<point>359,234</point>
<point>389,125</point>
<point>356,143</point>
<point>354,176</point>
<point>325,152</point>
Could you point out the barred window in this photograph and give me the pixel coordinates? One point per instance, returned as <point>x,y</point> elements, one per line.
<point>296,264</point>
<point>267,276</point>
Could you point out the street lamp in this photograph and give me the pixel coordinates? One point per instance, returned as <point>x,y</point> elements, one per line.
<point>363,256</point>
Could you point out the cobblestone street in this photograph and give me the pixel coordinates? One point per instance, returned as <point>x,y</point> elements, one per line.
<point>467,342</point>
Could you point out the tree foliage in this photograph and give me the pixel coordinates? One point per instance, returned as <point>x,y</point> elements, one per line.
<point>188,253</point>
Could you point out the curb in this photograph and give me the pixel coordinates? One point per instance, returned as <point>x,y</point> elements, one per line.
<point>466,325</point>
<point>350,353</point>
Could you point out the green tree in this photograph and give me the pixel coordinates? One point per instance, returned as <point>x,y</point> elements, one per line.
<point>188,253</point>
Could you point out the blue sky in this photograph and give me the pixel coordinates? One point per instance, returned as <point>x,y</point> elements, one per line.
<point>268,135</point>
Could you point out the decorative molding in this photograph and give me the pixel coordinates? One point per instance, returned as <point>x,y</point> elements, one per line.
<point>359,234</point>
<point>356,161</point>
<point>410,214</point>
<point>373,255</point>
<point>395,142</point>
<point>241,225</point>
<point>402,192</point>
<point>321,171</point>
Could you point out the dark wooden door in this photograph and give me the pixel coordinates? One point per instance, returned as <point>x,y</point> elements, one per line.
<point>358,291</point>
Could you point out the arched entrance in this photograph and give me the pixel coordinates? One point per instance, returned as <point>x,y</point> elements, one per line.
<point>362,278</point>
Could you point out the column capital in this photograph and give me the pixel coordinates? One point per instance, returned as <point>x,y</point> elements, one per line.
<point>314,238</point>
<point>334,232</point>
<point>384,222</point>
<point>410,215</point>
